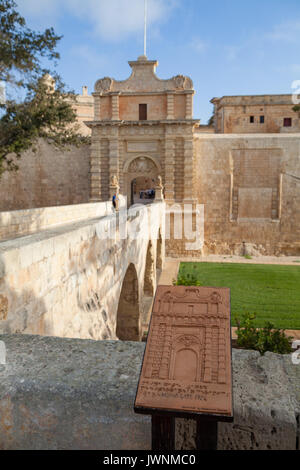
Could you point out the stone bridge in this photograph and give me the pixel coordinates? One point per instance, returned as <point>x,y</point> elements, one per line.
<point>80,271</point>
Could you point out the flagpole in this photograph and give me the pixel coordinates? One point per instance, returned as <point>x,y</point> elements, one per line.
<point>145,28</point>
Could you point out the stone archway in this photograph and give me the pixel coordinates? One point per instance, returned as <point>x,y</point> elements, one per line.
<point>128,315</point>
<point>149,287</point>
<point>142,190</point>
<point>138,168</point>
<point>149,277</point>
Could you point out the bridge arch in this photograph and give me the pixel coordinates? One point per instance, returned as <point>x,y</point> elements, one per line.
<point>128,314</point>
<point>159,252</point>
<point>149,277</point>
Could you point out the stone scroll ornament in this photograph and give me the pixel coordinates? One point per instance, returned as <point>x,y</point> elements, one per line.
<point>182,82</point>
<point>103,85</point>
<point>187,364</point>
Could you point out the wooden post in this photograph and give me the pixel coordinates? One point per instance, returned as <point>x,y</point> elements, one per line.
<point>163,433</point>
<point>187,370</point>
<point>206,435</point>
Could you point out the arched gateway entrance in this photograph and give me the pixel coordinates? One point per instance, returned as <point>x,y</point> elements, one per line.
<point>140,175</point>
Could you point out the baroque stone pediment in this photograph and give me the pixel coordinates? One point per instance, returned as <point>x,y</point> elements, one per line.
<point>143,79</point>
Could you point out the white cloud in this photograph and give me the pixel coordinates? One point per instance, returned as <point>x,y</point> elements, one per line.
<point>114,19</point>
<point>286,32</point>
<point>91,57</point>
<point>110,19</point>
<point>43,12</point>
<point>199,45</point>
<point>257,44</point>
<point>232,52</point>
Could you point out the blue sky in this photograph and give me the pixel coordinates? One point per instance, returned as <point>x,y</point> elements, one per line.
<point>227,47</point>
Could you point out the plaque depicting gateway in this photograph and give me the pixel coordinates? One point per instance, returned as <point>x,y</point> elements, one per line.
<point>187,363</point>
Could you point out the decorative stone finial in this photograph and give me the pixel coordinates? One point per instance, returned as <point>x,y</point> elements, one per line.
<point>114,191</point>
<point>49,82</point>
<point>159,189</point>
<point>114,182</point>
<point>159,182</point>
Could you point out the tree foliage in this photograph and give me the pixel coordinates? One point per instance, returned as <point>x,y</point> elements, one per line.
<point>46,111</point>
<point>296,108</point>
<point>21,49</point>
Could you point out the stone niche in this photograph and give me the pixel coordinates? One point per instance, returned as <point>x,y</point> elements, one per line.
<point>255,203</point>
<point>255,183</point>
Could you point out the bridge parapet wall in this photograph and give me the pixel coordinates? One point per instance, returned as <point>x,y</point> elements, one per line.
<point>24,222</point>
<point>66,280</point>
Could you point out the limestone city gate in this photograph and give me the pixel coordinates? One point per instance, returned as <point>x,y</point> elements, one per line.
<point>140,124</point>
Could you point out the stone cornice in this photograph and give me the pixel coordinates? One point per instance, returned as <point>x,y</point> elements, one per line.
<point>252,100</point>
<point>143,93</point>
<point>141,123</point>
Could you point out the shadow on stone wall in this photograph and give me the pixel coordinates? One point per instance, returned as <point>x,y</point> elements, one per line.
<point>67,281</point>
<point>20,310</point>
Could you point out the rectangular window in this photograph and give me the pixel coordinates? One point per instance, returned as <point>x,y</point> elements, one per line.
<point>143,112</point>
<point>262,119</point>
<point>287,122</point>
<point>251,119</point>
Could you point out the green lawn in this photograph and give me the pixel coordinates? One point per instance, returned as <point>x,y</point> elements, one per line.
<point>272,292</point>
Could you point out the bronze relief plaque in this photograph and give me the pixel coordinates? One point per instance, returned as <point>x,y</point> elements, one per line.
<point>187,362</point>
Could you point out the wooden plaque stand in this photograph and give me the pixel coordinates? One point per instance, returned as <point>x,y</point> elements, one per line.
<point>186,370</point>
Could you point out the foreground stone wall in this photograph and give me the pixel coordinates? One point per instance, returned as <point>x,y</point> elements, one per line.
<point>79,394</point>
<point>49,177</point>
<point>67,280</point>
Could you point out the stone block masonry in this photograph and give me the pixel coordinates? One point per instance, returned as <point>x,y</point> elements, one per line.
<point>24,222</point>
<point>66,280</point>
<point>246,175</point>
<point>47,177</point>
<point>250,188</point>
<point>72,394</point>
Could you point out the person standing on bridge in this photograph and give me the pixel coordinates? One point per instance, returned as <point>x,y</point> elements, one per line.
<point>114,201</point>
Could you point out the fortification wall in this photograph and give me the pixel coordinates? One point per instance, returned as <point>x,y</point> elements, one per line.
<point>250,187</point>
<point>47,177</point>
<point>79,394</point>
